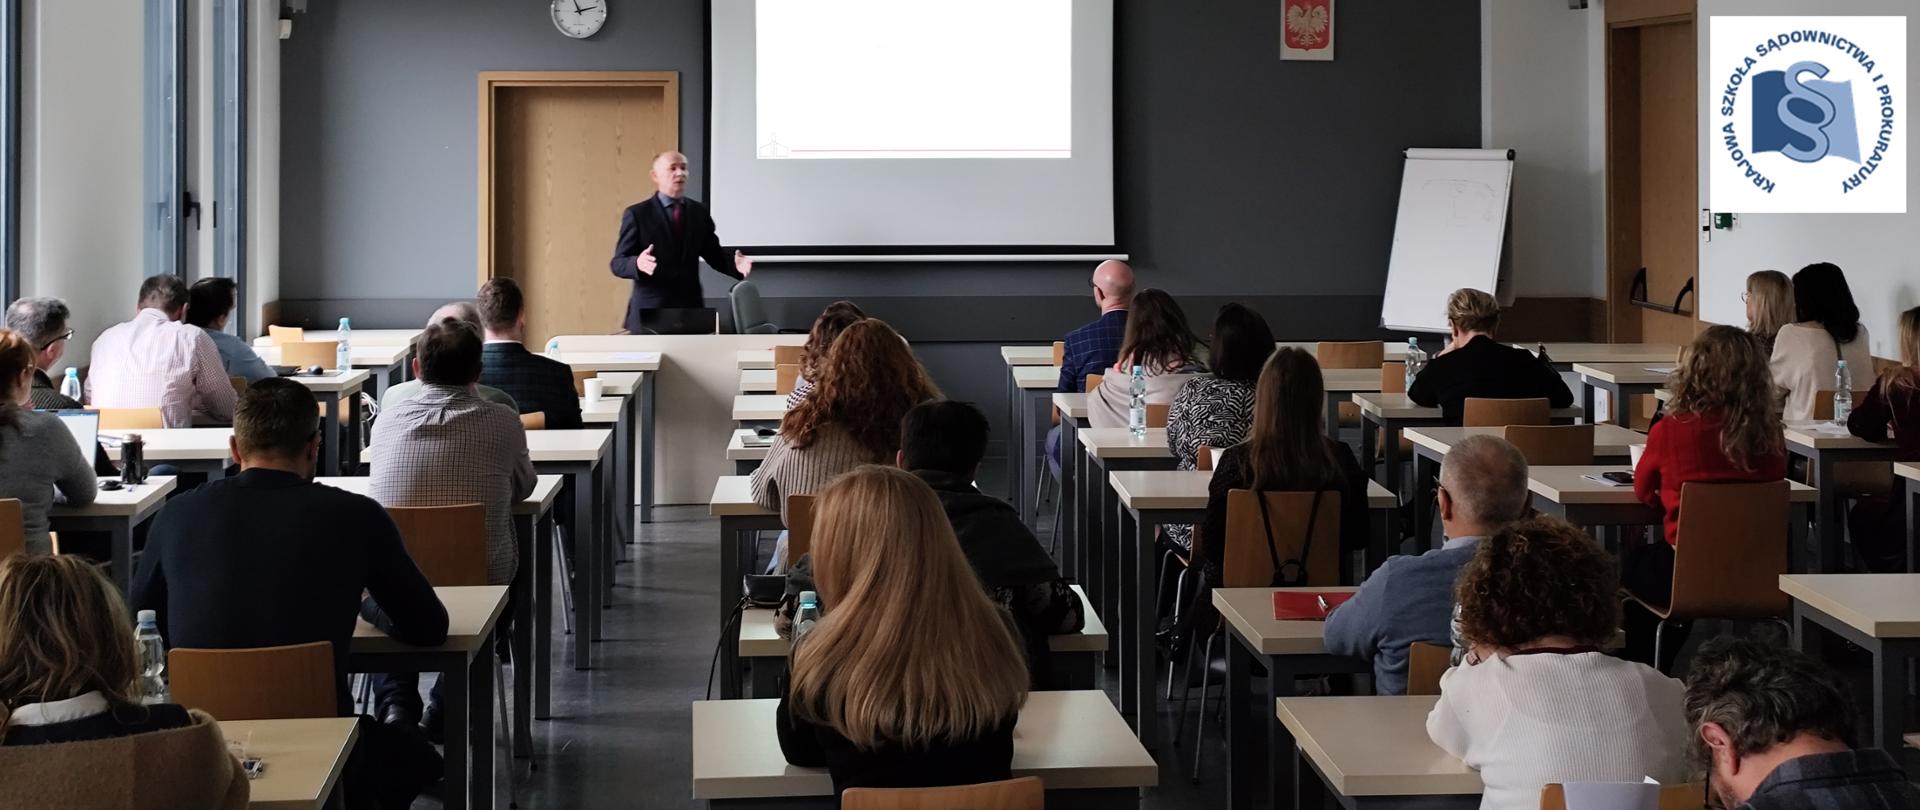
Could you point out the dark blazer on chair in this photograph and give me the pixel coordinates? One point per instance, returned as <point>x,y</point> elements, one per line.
<point>537,384</point>
<point>675,283</point>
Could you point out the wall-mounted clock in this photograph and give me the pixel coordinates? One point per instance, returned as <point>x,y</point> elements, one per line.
<point>579,18</point>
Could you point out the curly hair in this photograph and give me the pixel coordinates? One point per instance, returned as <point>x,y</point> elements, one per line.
<point>869,381</point>
<point>1535,578</point>
<point>1763,695</point>
<point>832,321</point>
<point>1724,372</point>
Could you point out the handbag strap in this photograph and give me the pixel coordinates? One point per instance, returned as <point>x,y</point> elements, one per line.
<point>1306,543</point>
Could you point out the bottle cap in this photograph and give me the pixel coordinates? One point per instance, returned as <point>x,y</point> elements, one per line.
<point>1843,364</point>
<point>147,617</point>
<point>809,599</point>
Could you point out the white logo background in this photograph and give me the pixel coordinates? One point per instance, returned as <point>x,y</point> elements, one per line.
<point>1806,188</point>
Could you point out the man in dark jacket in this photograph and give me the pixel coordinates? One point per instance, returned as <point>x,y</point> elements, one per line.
<point>942,442</point>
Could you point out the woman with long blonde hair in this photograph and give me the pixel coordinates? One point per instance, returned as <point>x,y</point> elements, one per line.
<point>1889,412</point>
<point>1769,299</point>
<point>912,677</point>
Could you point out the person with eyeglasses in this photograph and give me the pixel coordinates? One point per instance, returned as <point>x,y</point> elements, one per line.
<point>43,323</point>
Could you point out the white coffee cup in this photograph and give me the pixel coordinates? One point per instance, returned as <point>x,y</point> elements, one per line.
<point>595,387</point>
<point>1634,451</point>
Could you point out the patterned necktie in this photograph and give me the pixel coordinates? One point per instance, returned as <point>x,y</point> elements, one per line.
<point>679,220</point>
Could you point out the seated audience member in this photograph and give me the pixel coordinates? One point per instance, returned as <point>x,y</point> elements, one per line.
<point>1769,299</point>
<point>1160,343</point>
<point>868,383</point>
<point>1537,701</point>
<point>1094,347</point>
<point>403,391</point>
<point>43,322</point>
<point>210,304</point>
<point>826,329</point>
<point>943,442</point>
<point>911,677</point>
<point>1215,410</point>
<point>1890,411</point>
<point>1483,487</point>
<point>37,453</point>
<point>1774,730</point>
<point>1826,330</point>
<point>218,582</point>
<point>538,384</point>
<point>1720,427</point>
<point>155,361</point>
<point>1473,364</point>
<point>71,703</point>
<point>446,447</point>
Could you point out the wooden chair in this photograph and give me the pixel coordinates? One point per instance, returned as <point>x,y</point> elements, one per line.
<point>580,379</point>
<point>1823,403</point>
<point>1672,797</point>
<point>1729,551</point>
<point>1425,664</point>
<point>1157,415</point>
<point>449,543</point>
<point>786,356</point>
<point>534,421</point>
<point>799,527</point>
<point>1552,445</point>
<point>13,528</point>
<point>785,377</point>
<point>1025,793</point>
<point>1094,380</point>
<point>1205,457</point>
<point>239,384</point>
<point>261,683</point>
<point>1393,377</point>
<point>1059,352</point>
<point>1480,412</point>
<point>131,419</point>
<point>283,335</point>
<point>1350,354</point>
<point>322,353</point>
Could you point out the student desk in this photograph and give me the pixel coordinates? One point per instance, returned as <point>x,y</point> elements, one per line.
<point>1621,381</point>
<point>1288,650</point>
<point>465,664</point>
<point>1430,446</point>
<point>740,520</point>
<point>1073,741</point>
<point>753,359</point>
<point>615,413</point>
<point>577,455</point>
<point>1393,351</point>
<point>1029,400</point>
<point>304,759</point>
<point>370,337</point>
<point>1825,445</point>
<point>193,450</point>
<point>1373,752</point>
<point>385,363</point>
<point>1075,655</point>
<point>1027,355</point>
<point>757,381</point>
<point>1072,409</point>
<point>1395,412</point>
<point>118,513</point>
<point>1098,554</point>
<point>1341,384</point>
<point>1907,477</point>
<point>745,457</point>
<point>1878,612</point>
<point>340,389</point>
<point>1569,494</point>
<point>533,584</point>
<point>1663,394</point>
<point>1565,355</point>
<point>637,372</point>
<point>751,408</point>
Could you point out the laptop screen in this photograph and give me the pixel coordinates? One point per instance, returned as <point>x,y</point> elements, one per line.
<point>85,427</point>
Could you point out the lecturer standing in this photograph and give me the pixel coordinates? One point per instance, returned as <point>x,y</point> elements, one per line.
<point>662,241</point>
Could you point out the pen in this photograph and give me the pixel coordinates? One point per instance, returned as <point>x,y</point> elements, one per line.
<point>1322,601</point>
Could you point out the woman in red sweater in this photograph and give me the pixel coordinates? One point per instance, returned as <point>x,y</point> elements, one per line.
<point>1891,410</point>
<point>1721,426</point>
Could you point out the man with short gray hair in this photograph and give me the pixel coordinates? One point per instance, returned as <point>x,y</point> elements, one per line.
<point>43,322</point>
<point>459,311</point>
<point>1483,487</point>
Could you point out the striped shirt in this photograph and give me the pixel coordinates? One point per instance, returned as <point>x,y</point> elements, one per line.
<point>448,446</point>
<point>154,362</point>
<point>1208,412</point>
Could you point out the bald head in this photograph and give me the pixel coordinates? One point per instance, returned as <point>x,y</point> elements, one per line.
<point>669,173</point>
<point>1112,285</point>
<point>459,311</point>
<point>1483,482</point>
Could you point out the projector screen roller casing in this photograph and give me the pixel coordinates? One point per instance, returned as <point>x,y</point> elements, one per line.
<point>1017,204</point>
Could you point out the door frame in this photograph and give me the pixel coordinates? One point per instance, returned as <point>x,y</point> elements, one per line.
<point>1624,195</point>
<point>494,81</point>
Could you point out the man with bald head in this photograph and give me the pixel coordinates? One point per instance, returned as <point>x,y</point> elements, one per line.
<point>662,240</point>
<point>1483,487</point>
<point>459,311</point>
<point>1095,347</point>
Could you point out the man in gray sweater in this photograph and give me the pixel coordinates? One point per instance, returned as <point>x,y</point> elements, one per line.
<point>1483,486</point>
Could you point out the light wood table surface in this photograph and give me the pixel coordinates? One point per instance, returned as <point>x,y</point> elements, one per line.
<point>758,381</point>
<point>303,758</point>
<point>759,407</point>
<point>754,358</point>
<point>1621,381</point>
<point>119,513</point>
<point>1567,493</point>
<point>1375,750</point>
<point>1611,444</point>
<point>193,450</point>
<point>608,361</point>
<point>1879,613</point>
<point>1565,355</point>
<point>1394,413</point>
<point>361,355</point>
<point>370,337</point>
<point>1071,406</point>
<point>1826,446</point>
<point>1027,355</point>
<point>338,392</point>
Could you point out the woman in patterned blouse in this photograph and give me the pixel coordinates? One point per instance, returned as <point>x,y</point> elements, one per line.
<point>1215,411</point>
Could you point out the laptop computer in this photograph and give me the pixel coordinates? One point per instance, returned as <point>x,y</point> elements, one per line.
<point>85,427</point>
<point>683,321</point>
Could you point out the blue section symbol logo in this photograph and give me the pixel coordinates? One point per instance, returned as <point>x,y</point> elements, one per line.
<point>1807,120</point>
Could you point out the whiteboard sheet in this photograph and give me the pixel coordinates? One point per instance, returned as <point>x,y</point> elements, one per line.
<point>1449,232</point>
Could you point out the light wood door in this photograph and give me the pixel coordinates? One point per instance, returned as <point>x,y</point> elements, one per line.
<point>568,152</point>
<point>1652,173</point>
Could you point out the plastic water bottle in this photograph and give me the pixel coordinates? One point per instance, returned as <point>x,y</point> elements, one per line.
<point>343,351</point>
<point>553,349</point>
<point>807,616</point>
<point>1416,360</point>
<point>1137,403</point>
<point>70,387</point>
<point>1842,394</point>
<point>153,660</point>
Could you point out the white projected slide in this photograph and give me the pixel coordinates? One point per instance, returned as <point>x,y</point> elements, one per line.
<point>852,79</point>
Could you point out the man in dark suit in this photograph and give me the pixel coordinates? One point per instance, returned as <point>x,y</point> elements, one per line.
<point>537,384</point>
<point>663,239</point>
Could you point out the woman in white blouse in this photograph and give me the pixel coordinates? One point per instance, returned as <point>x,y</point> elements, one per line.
<point>1828,330</point>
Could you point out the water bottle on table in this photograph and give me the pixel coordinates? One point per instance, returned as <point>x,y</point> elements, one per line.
<point>1842,394</point>
<point>553,349</point>
<point>1137,403</point>
<point>70,386</point>
<point>153,660</point>
<point>343,350</point>
<point>1416,360</point>
<point>807,615</point>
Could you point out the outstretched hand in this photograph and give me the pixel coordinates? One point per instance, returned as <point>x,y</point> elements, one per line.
<point>645,262</point>
<point>742,264</point>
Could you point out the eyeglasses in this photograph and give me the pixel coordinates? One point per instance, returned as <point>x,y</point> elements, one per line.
<point>1744,296</point>
<point>67,336</point>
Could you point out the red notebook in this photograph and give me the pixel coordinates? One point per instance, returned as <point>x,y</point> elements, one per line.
<point>1297,605</point>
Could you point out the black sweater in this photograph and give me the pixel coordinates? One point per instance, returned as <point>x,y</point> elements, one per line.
<point>950,762</point>
<point>1486,368</point>
<point>267,558</point>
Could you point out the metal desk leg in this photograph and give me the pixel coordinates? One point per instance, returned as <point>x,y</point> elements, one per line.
<point>1065,532</point>
<point>542,660</point>
<point>1911,501</point>
<point>1015,490</point>
<point>330,433</point>
<point>1243,755</point>
<point>455,683</point>
<point>523,627</point>
<point>1587,401</point>
<point>480,727</point>
<point>1139,624</point>
<point>1890,693</point>
<point>647,416</point>
<point>1424,470</point>
<point>1829,517</point>
<point>1333,414</point>
<point>731,538</point>
<point>586,567</point>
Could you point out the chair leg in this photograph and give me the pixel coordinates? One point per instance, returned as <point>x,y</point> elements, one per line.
<point>1186,690</point>
<point>1200,717</point>
<point>1053,537</point>
<point>1179,602</point>
<point>1039,493</point>
<point>1659,645</point>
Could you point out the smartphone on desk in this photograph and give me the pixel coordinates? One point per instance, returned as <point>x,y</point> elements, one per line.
<point>1618,477</point>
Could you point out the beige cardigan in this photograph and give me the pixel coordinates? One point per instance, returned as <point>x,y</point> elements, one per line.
<point>1804,361</point>
<point>1107,405</point>
<point>185,767</point>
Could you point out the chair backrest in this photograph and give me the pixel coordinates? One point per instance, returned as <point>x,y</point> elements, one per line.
<point>785,377</point>
<point>13,528</point>
<point>261,683</point>
<point>1729,551</point>
<point>1247,563</point>
<point>1059,352</point>
<point>1350,354</point>
<point>580,379</point>
<point>1025,793</point>
<point>1425,664</point>
<point>785,355</point>
<point>1203,457</point>
<point>449,543</point>
<point>1672,797</point>
<point>131,419</point>
<point>799,526</point>
<point>1480,412</point>
<point>1552,445</point>
<point>1823,403</point>
<point>283,335</point>
<point>749,312</point>
<point>305,353</point>
<point>1093,380</point>
<point>534,421</point>
<point>1157,414</point>
<point>239,384</point>
<point>1393,377</point>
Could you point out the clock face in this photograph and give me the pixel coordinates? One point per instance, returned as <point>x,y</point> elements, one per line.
<point>579,18</point>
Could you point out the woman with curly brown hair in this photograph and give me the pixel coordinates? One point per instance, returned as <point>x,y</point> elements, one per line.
<point>1537,701</point>
<point>826,329</point>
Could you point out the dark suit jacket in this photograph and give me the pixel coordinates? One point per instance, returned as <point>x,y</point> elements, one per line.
<point>675,282</point>
<point>1490,369</point>
<point>537,384</point>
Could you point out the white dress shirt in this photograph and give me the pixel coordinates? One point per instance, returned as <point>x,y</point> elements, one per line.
<point>153,362</point>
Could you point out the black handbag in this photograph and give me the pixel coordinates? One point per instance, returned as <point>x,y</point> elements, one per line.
<point>1298,564</point>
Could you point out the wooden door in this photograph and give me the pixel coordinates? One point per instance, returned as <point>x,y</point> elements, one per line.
<point>562,154</point>
<point>1652,169</point>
